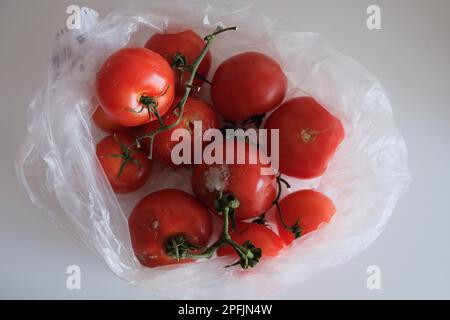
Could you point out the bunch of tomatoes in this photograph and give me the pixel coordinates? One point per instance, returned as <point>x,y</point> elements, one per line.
<point>145,93</point>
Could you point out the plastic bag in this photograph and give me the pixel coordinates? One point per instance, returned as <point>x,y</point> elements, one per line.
<point>58,168</point>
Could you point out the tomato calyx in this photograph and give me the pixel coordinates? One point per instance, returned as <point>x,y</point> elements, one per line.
<point>179,61</point>
<point>249,255</point>
<point>255,120</point>
<point>178,247</point>
<point>228,125</point>
<point>181,104</point>
<point>125,155</point>
<point>261,220</point>
<point>150,104</point>
<point>181,65</point>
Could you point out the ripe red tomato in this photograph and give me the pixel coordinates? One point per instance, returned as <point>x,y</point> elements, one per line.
<point>247,84</point>
<point>126,77</point>
<point>255,191</point>
<point>106,123</point>
<point>262,237</point>
<point>187,43</point>
<point>309,136</point>
<point>136,170</point>
<point>162,215</point>
<point>194,110</point>
<point>310,207</point>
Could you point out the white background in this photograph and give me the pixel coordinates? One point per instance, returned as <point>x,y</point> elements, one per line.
<point>410,56</point>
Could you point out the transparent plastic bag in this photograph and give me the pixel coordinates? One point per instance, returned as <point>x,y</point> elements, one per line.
<point>58,168</point>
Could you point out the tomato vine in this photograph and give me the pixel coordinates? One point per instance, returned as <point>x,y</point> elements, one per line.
<point>189,86</point>
<point>249,255</point>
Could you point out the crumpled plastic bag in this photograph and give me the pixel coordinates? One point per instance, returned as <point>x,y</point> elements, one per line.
<point>58,168</point>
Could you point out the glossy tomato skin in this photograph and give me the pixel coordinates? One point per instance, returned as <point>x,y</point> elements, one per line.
<point>310,207</point>
<point>107,123</point>
<point>126,76</point>
<point>132,177</point>
<point>162,215</point>
<point>309,136</point>
<point>195,110</point>
<point>190,45</point>
<point>254,190</point>
<point>247,84</point>
<point>261,236</point>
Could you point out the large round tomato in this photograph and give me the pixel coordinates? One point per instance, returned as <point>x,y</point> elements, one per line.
<point>247,84</point>
<point>181,49</point>
<point>261,236</point>
<point>245,182</point>
<point>126,172</point>
<point>309,207</point>
<point>162,215</point>
<point>106,122</point>
<point>309,136</point>
<point>130,76</point>
<point>194,110</point>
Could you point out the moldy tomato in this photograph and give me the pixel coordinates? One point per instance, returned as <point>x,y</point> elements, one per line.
<point>245,182</point>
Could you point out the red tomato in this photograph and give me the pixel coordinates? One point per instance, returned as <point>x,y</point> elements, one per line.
<point>106,123</point>
<point>309,136</point>
<point>247,84</point>
<point>255,191</point>
<point>262,237</point>
<point>194,110</point>
<point>310,207</point>
<point>189,45</point>
<point>137,169</point>
<point>162,215</point>
<point>128,75</point>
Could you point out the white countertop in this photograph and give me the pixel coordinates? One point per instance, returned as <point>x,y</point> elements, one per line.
<point>411,57</point>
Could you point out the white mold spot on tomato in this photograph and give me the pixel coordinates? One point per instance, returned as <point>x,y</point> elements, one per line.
<point>216,178</point>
